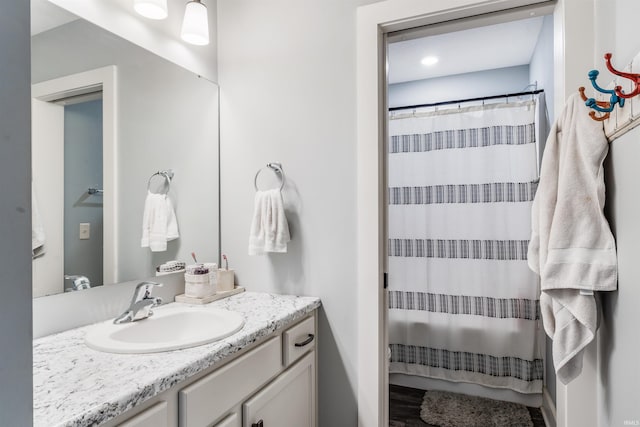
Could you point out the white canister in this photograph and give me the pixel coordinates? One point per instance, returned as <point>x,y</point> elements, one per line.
<point>198,285</point>
<point>225,280</point>
<point>213,276</point>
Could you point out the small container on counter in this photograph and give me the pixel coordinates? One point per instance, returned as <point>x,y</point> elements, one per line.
<point>226,280</point>
<point>226,277</point>
<point>197,282</point>
<point>213,276</point>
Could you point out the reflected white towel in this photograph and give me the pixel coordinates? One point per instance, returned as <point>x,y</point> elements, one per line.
<point>572,247</point>
<point>269,228</point>
<point>159,224</point>
<point>37,229</point>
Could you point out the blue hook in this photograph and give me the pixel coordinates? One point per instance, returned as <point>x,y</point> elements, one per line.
<point>614,99</point>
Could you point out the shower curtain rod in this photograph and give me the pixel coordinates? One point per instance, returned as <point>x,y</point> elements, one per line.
<point>460,101</point>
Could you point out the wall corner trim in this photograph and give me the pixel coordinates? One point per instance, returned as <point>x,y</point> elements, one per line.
<point>548,409</point>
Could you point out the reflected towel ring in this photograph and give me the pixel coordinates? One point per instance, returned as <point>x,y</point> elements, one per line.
<point>277,169</point>
<point>168,176</point>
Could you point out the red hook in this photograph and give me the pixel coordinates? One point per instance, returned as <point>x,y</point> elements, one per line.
<point>602,104</point>
<point>635,78</point>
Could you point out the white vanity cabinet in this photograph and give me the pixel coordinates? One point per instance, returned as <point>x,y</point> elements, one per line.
<point>289,400</point>
<point>271,385</point>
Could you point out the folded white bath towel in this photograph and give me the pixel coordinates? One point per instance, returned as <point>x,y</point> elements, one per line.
<point>572,247</point>
<point>159,223</point>
<point>269,228</point>
<point>37,229</point>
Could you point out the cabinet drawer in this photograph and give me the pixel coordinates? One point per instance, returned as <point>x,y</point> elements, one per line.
<point>209,398</point>
<point>156,416</point>
<point>299,339</point>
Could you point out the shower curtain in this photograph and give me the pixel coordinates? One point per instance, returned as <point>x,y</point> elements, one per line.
<point>463,305</point>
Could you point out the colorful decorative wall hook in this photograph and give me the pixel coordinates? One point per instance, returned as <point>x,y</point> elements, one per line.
<point>592,114</point>
<point>616,95</point>
<point>635,78</point>
<point>613,96</point>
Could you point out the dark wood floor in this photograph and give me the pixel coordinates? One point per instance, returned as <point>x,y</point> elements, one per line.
<point>404,408</point>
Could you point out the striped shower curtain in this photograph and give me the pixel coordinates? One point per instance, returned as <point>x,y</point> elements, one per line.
<point>463,305</point>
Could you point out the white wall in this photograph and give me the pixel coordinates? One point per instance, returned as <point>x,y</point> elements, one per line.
<point>619,346</point>
<point>460,86</point>
<point>287,79</point>
<point>541,65</point>
<point>15,215</point>
<point>167,119</point>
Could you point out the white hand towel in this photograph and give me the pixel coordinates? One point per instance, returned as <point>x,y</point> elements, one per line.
<point>572,247</point>
<point>172,221</point>
<point>37,229</point>
<point>269,228</point>
<point>159,224</point>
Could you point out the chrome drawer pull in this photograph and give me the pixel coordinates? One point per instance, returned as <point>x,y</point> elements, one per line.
<point>258,424</point>
<point>305,342</point>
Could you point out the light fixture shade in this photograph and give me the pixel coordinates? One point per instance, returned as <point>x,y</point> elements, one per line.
<point>195,26</point>
<point>152,9</point>
<point>429,60</point>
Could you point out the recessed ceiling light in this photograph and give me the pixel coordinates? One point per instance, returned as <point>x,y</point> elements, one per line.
<point>429,60</point>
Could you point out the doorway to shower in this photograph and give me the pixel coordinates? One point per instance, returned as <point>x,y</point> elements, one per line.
<point>466,125</point>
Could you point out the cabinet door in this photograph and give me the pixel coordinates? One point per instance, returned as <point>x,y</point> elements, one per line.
<point>156,416</point>
<point>233,420</point>
<point>287,401</point>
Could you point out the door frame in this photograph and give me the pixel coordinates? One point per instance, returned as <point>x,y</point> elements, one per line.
<point>104,79</point>
<point>573,57</point>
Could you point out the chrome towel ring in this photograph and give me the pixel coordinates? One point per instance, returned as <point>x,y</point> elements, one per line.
<point>277,169</point>
<point>168,176</point>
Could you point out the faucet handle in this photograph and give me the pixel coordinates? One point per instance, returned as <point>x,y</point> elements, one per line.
<point>148,285</point>
<point>143,290</point>
<point>141,303</point>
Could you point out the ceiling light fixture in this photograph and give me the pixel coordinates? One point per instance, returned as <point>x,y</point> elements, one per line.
<point>195,26</point>
<point>152,9</point>
<point>429,60</point>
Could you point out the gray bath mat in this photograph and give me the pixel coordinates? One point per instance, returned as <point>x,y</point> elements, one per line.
<point>446,409</point>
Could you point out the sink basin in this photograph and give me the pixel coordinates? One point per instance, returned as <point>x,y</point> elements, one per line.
<point>170,328</point>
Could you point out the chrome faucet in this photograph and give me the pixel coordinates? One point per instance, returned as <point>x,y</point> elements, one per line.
<point>79,282</point>
<point>141,303</point>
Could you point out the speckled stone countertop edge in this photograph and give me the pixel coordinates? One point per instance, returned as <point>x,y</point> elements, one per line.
<point>76,386</point>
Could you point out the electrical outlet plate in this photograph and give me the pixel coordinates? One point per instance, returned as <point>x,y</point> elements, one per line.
<point>85,230</point>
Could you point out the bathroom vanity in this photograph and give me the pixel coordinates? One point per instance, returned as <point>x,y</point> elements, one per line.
<point>262,376</point>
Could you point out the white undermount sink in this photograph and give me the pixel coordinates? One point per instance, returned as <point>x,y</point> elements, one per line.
<point>169,328</point>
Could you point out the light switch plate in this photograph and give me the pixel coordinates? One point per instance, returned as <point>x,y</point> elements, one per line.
<point>85,230</point>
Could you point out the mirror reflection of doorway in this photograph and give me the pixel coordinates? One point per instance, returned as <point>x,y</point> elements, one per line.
<point>72,149</point>
<point>67,154</point>
<point>83,207</point>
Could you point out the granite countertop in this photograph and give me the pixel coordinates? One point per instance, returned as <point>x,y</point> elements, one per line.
<point>74,385</point>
